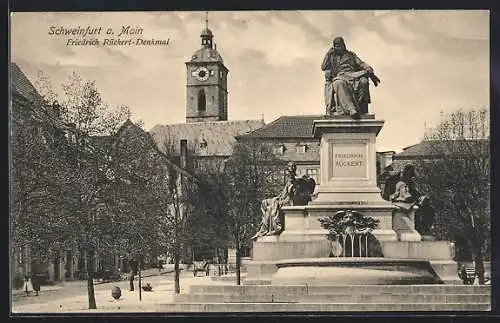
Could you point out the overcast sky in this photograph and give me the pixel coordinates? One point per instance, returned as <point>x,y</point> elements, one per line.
<point>428,61</point>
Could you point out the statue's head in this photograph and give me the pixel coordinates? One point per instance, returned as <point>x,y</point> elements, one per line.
<point>339,45</point>
<point>291,167</point>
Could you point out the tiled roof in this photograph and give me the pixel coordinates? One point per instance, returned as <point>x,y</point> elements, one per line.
<point>431,148</point>
<point>127,129</point>
<point>214,138</point>
<point>205,55</point>
<point>299,126</point>
<point>21,85</point>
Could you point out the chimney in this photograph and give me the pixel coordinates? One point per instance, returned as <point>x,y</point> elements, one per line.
<point>184,157</point>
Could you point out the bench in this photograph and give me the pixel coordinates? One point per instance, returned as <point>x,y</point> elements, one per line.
<point>467,275</point>
<point>202,266</point>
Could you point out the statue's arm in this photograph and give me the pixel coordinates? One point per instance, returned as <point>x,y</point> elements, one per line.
<point>367,68</point>
<point>362,64</point>
<point>326,62</point>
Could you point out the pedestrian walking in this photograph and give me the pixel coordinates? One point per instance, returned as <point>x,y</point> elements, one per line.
<point>160,265</point>
<point>36,283</point>
<point>28,286</point>
<point>134,266</point>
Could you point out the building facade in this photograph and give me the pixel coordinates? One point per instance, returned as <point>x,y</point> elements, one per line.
<point>34,128</point>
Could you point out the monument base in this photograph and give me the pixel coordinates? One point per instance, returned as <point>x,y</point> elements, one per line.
<point>354,271</point>
<point>303,238</point>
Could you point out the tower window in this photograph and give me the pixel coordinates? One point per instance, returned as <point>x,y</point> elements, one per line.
<point>202,102</point>
<point>213,99</point>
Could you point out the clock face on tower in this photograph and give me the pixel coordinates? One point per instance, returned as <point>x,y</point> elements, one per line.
<point>201,73</point>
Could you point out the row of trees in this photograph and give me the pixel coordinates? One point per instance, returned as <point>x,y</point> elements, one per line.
<point>88,178</point>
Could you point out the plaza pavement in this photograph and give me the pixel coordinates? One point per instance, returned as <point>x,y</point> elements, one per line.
<point>163,292</point>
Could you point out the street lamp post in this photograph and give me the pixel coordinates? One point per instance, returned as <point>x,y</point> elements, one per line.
<point>140,282</point>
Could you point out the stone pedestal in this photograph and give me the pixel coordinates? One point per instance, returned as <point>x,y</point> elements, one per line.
<point>348,160</point>
<point>348,182</point>
<point>348,171</point>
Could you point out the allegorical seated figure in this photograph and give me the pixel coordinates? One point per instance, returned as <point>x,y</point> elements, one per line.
<point>346,78</point>
<point>297,191</point>
<point>405,195</point>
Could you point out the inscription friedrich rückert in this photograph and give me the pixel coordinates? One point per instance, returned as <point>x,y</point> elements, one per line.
<point>349,160</point>
<point>122,36</point>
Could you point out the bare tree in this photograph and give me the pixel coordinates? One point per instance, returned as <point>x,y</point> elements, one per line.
<point>456,175</point>
<point>252,174</point>
<point>82,179</point>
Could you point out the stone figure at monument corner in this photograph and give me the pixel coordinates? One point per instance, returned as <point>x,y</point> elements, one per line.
<point>297,191</point>
<point>346,81</point>
<point>405,195</point>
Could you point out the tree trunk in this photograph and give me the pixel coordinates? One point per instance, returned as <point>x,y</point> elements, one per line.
<point>177,271</point>
<point>238,265</point>
<point>90,281</point>
<point>140,283</point>
<point>478,264</point>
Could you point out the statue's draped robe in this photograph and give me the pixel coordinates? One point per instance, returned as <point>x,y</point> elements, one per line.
<point>345,77</point>
<point>271,210</point>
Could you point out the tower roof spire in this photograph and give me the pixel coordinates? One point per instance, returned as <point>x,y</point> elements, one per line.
<point>206,34</point>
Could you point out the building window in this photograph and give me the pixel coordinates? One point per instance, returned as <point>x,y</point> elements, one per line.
<point>279,150</point>
<point>301,149</point>
<point>202,101</point>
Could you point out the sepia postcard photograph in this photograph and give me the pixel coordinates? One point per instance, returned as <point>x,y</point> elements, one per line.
<point>269,161</point>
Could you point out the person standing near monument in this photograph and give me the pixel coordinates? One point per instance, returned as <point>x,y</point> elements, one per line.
<point>347,77</point>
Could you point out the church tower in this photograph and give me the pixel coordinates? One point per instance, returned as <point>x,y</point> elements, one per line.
<point>206,88</point>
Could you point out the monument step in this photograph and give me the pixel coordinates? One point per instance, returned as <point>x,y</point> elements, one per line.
<point>318,307</point>
<point>395,298</point>
<point>257,281</point>
<point>229,277</point>
<point>334,298</point>
<point>339,289</point>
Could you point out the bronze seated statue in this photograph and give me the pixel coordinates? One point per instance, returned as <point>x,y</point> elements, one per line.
<point>297,191</point>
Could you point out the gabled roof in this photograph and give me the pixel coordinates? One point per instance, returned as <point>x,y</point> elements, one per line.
<point>129,128</point>
<point>299,126</point>
<point>214,138</point>
<point>37,108</point>
<point>21,85</point>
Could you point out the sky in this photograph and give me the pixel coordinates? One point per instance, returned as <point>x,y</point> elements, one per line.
<point>428,61</point>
